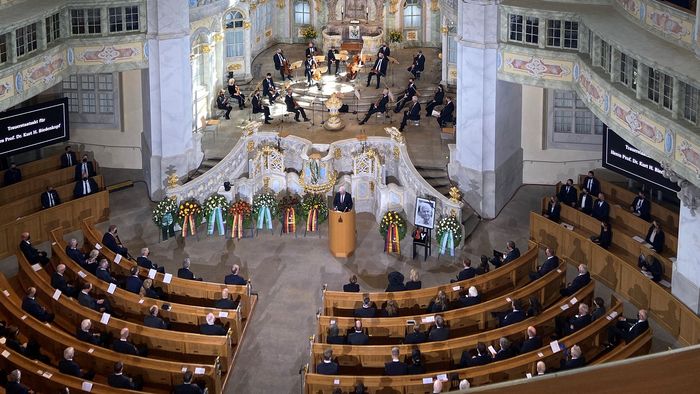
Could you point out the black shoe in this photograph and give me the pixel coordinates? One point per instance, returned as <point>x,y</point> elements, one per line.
<point>297,119</point>
<point>228,118</point>
<point>362,122</point>
<point>367,85</point>
<point>401,129</point>
<point>306,119</point>
<point>267,121</point>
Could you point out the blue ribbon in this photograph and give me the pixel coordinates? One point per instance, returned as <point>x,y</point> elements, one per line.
<point>264,217</point>
<point>447,240</point>
<point>216,217</point>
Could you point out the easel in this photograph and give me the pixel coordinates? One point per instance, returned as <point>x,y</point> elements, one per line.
<point>425,243</point>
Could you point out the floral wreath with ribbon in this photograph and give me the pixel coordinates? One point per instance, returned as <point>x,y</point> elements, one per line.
<point>264,210</point>
<point>164,212</point>
<point>240,218</point>
<point>288,207</point>
<point>216,213</point>
<point>313,210</point>
<point>188,214</point>
<point>449,234</point>
<point>393,229</point>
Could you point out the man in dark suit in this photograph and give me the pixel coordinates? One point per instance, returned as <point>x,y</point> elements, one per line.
<point>378,106</point>
<point>12,175</point>
<point>553,209</point>
<point>418,65</point>
<point>32,307</point>
<point>270,89</point>
<point>439,332</point>
<point>331,59</point>
<point>50,198</point>
<point>384,50</point>
<point>145,262</point>
<point>258,106</point>
<point>69,367</point>
<point>68,159</point>
<point>395,367</point>
<point>13,384</point>
<point>133,283</point>
<point>87,300</point>
<point>85,187</point>
<point>506,351</point>
<point>604,239</point>
<point>184,272</point>
<point>467,271</point>
<point>413,113</point>
<point>379,69</point>
<point>222,103</point>
<point>120,381</point>
<point>342,201</point>
<point>447,113</point>
<point>550,264</point>
<point>334,336</point>
<point>74,253</point>
<point>33,255</point>
<point>628,329</point>
<point>511,254</point>
<point>358,336</point>
<point>311,50</point>
<point>641,206</point>
<point>225,302</point>
<point>482,357</point>
<point>591,183</point>
<point>352,286</point>
<point>575,359</point>
<point>85,167</point>
<point>327,366</point>
<point>210,327</point>
<point>123,346</point>
<point>516,315</point>
<point>416,336</point>
<point>601,208</point>
<point>103,274</point>
<point>471,297</point>
<point>568,194</point>
<point>407,96</point>
<point>279,60</point>
<point>309,67</point>
<point>233,278</point>
<point>187,387</point>
<point>650,266</point>
<point>152,320</point>
<point>85,334</point>
<point>579,281</point>
<point>110,239</point>
<point>585,202</point>
<point>59,281</point>
<point>293,106</point>
<point>366,310</point>
<point>656,237</point>
<point>565,327</point>
<point>533,341</point>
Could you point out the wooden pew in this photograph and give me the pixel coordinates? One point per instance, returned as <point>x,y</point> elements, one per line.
<point>446,353</point>
<point>637,347</point>
<point>180,290</point>
<point>589,339</point>
<point>462,321</point>
<point>188,316</point>
<point>32,204</point>
<point>173,345</point>
<point>38,167</point>
<point>40,224</point>
<point>499,281</point>
<point>157,374</point>
<point>621,276</point>
<point>37,184</point>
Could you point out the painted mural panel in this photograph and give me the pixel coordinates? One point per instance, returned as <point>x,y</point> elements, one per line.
<point>669,24</point>
<point>638,124</point>
<point>688,154</point>
<point>534,66</point>
<point>43,72</point>
<point>108,54</point>
<point>7,87</point>
<point>591,91</point>
<point>631,6</point>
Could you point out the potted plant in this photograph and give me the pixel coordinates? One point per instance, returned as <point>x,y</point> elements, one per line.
<point>308,32</point>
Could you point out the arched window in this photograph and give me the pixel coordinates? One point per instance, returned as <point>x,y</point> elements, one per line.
<point>302,12</point>
<point>411,14</point>
<point>235,37</point>
<point>200,49</point>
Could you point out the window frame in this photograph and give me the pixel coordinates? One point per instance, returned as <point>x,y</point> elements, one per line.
<point>575,114</point>
<point>691,102</point>
<point>605,56</point>
<point>654,85</point>
<point>532,29</point>
<point>574,34</point>
<point>82,21</point>
<point>4,55</point>
<point>416,18</point>
<point>26,39</point>
<point>233,27</point>
<point>304,12</point>
<point>87,95</point>
<point>628,71</point>
<point>120,19</point>
<point>554,38</point>
<point>53,27</point>
<point>516,24</point>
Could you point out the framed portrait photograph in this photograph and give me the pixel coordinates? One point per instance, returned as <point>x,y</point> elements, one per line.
<point>425,213</point>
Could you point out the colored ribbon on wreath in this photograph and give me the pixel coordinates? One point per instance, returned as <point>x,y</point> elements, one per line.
<point>447,240</point>
<point>392,239</point>
<point>312,220</point>
<point>237,226</point>
<point>290,221</point>
<point>264,217</point>
<point>216,218</point>
<point>193,230</point>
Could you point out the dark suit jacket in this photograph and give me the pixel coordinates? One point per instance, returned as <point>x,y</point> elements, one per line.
<point>504,354</point>
<point>133,284</point>
<point>601,211</point>
<point>76,255</point>
<point>155,322</point>
<point>267,85</point>
<point>553,211</point>
<point>87,337</point>
<point>513,317</point>
<point>64,159</point>
<point>382,69</point>
<point>347,203</point>
<point>420,64</point>
<point>110,242</point>
<point>187,388</point>
<point>78,189</point>
<point>185,273</point>
<point>414,338</point>
<point>415,369</point>
<point>365,312</point>
<point>336,340</point>
<point>330,56</point>
<point>531,344</point>
<point>382,104</point>
<point>213,329</point>
<point>605,238</point>
<point>395,287</point>
<point>409,92</point>
<point>465,301</point>
<point>309,52</point>
<point>586,206</point>
<point>395,368</point>
<point>104,275</point>
<point>413,111</point>
<point>439,334</point>
<point>12,176</point>
<point>635,330</point>
<point>385,50</point>
<point>512,255</point>
<point>69,368</point>
<point>59,282</point>
<point>79,170</point>
<point>549,265</point>
<point>223,303</point>
<point>121,382</point>
<point>568,197</point>
<point>16,388</point>
<point>572,363</point>
<point>658,244</point>
<point>30,252</point>
<point>439,97</point>
<point>290,103</point>
<point>87,301</point>
<point>411,285</point>
<point>351,288</point>
<point>125,347</point>
<point>644,211</point>
<point>232,279</point>
<point>327,368</point>
<point>32,307</point>
<point>358,338</point>
<point>447,112</point>
<point>145,262</point>
<point>466,273</point>
<point>578,323</point>
<point>278,58</point>
<point>655,268</point>
<point>576,284</point>
<point>45,198</point>
<point>478,359</point>
<point>257,105</point>
<point>593,186</point>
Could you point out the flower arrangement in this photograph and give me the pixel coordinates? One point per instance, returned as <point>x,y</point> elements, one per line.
<point>395,36</point>
<point>164,212</point>
<point>311,202</point>
<point>187,209</point>
<point>308,32</point>
<point>446,227</point>
<point>393,217</point>
<point>285,203</point>
<point>216,201</point>
<point>264,209</point>
<point>240,218</point>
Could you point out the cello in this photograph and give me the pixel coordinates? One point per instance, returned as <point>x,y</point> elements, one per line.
<point>286,68</point>
<point>353,68</point>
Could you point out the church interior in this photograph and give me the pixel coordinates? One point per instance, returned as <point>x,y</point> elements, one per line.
<point>349,196</point>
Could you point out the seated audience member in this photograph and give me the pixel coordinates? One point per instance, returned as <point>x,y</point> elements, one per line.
<point>439,304</point>
<point>581,280</point>
<point>91,263</point>
<point>29,349</point>
<point>225,302</point>
<point>33,255</point>
<point>505,350</point>
<point>481,357</point>
<point>446,113</point>
<point>327,366</point>
<point>650,266</point>
<point>550,264</point>
<point>359,388</point>
<point>391,309</point>
<point>133,283</point>
<point>439,332</point>
<point>656,237</point>
<point>87,300</point>
<point>591,183</point>
<point>553,209</point>
<point>147,289</point>
<point>122,345</point>
<point>145,262</point>
<point>59,281</point>
<point>641,206</point>
<point>569,326</point>
<point>366,310</point>
<point>533,341</point>
<point>110,239</point>
<point>415,336</point>
<point>84,169</point>
<point>103,272</point>
<point>334,336</point>
<point>535,306</point>
<point>32,307</point>
<point>395,282</point>
<point>628,329</point>
<point>187,387</point>
<point>358,336</point>
<point>74,253</point>
<point>119,380</point>
<point>352,286</point>
<point>585,202</point>
<point>472,297</point>
<point>437,386</point>
<point>511,254</point>
<point>152,320</point>
<point>69,367</point>
<point>414,282</point>
<point>184,272</point>
<point>464,385</point>
<point>233,278</point>
<point>483,266</point>
<point>516,315</point>
<point>86,334</point>
<point>68,159</point>
<point>210,327</point>
<point>416,366</point>
<point>12,175</point>
<point>573,359</point>
<point>568,194</point>
<point>541,368</point>
<point>49,198</point>
<point>14,385</point>
<point>467,271</point>
<point>85,187</point>
<point>396,366</point>
<point>598,308</point>
<point>604,239</point>
<point>601,209</point>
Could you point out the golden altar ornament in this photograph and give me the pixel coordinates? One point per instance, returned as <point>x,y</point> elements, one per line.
<point>173,180</point>
<point>455,194</point>
<point>333,104</point>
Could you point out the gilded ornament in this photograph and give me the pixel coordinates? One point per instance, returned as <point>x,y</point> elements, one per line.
<point>371,186</point>
<point>397,152</point>
<point>173,180</point>
<point>218,37</point>
<point>337,154</point>
<point>281,4</point>
<point>455,194</point>
<point>395,134</point>
<point>251,146</point>
<point>266,182</point>
<point>393,6</point>
<point>234,67</point>
<point>434,5</point>
<point>445,29</point>
<point>246,24</point>
<point>318,5</point>
<point>206,48</point>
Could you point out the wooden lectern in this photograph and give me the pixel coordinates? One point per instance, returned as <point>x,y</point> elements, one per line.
<point>341,233</point>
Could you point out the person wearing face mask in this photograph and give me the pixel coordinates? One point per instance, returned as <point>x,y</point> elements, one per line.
<point>33,255</point>
<point>84,167</point>
<point>85,187</point>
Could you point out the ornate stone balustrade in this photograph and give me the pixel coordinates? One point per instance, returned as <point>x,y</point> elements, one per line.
<point>668,22</point>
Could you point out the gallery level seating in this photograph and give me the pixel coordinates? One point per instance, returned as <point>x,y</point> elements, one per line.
<point>40,166</point>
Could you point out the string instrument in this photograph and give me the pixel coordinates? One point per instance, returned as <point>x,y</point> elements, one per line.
<point>415,63</point>
<point>286,68</point>
<point>353,68</point>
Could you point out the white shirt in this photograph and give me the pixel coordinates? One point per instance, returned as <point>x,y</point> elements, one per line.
<point>51,201</point>
<point>86,187</point>
<point>652,236</point>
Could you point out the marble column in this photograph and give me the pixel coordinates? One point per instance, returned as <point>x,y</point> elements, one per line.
<point>685,281</point>
<point>168,144</point>
<point>487,159</point>
<point>697,30</point>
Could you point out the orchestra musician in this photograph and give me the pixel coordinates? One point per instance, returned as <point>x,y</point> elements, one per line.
<point>418,65</point>
<point>269,88</point>
<point>311,50</point>
<point>413,113</point>
<point>447,113</point>
<point>309,67</point>
<point>378,106</point>
<point>293,106</point>
<point>222,103</point>
<point>332,59</point>
<point>407,95</point>
<point>353,68</point>
<point>437,100</point>
<point>258,106</point>
<point>235,92</point>
<point>384,50</point>
<point>379,69</point>
<point>282,65</point>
